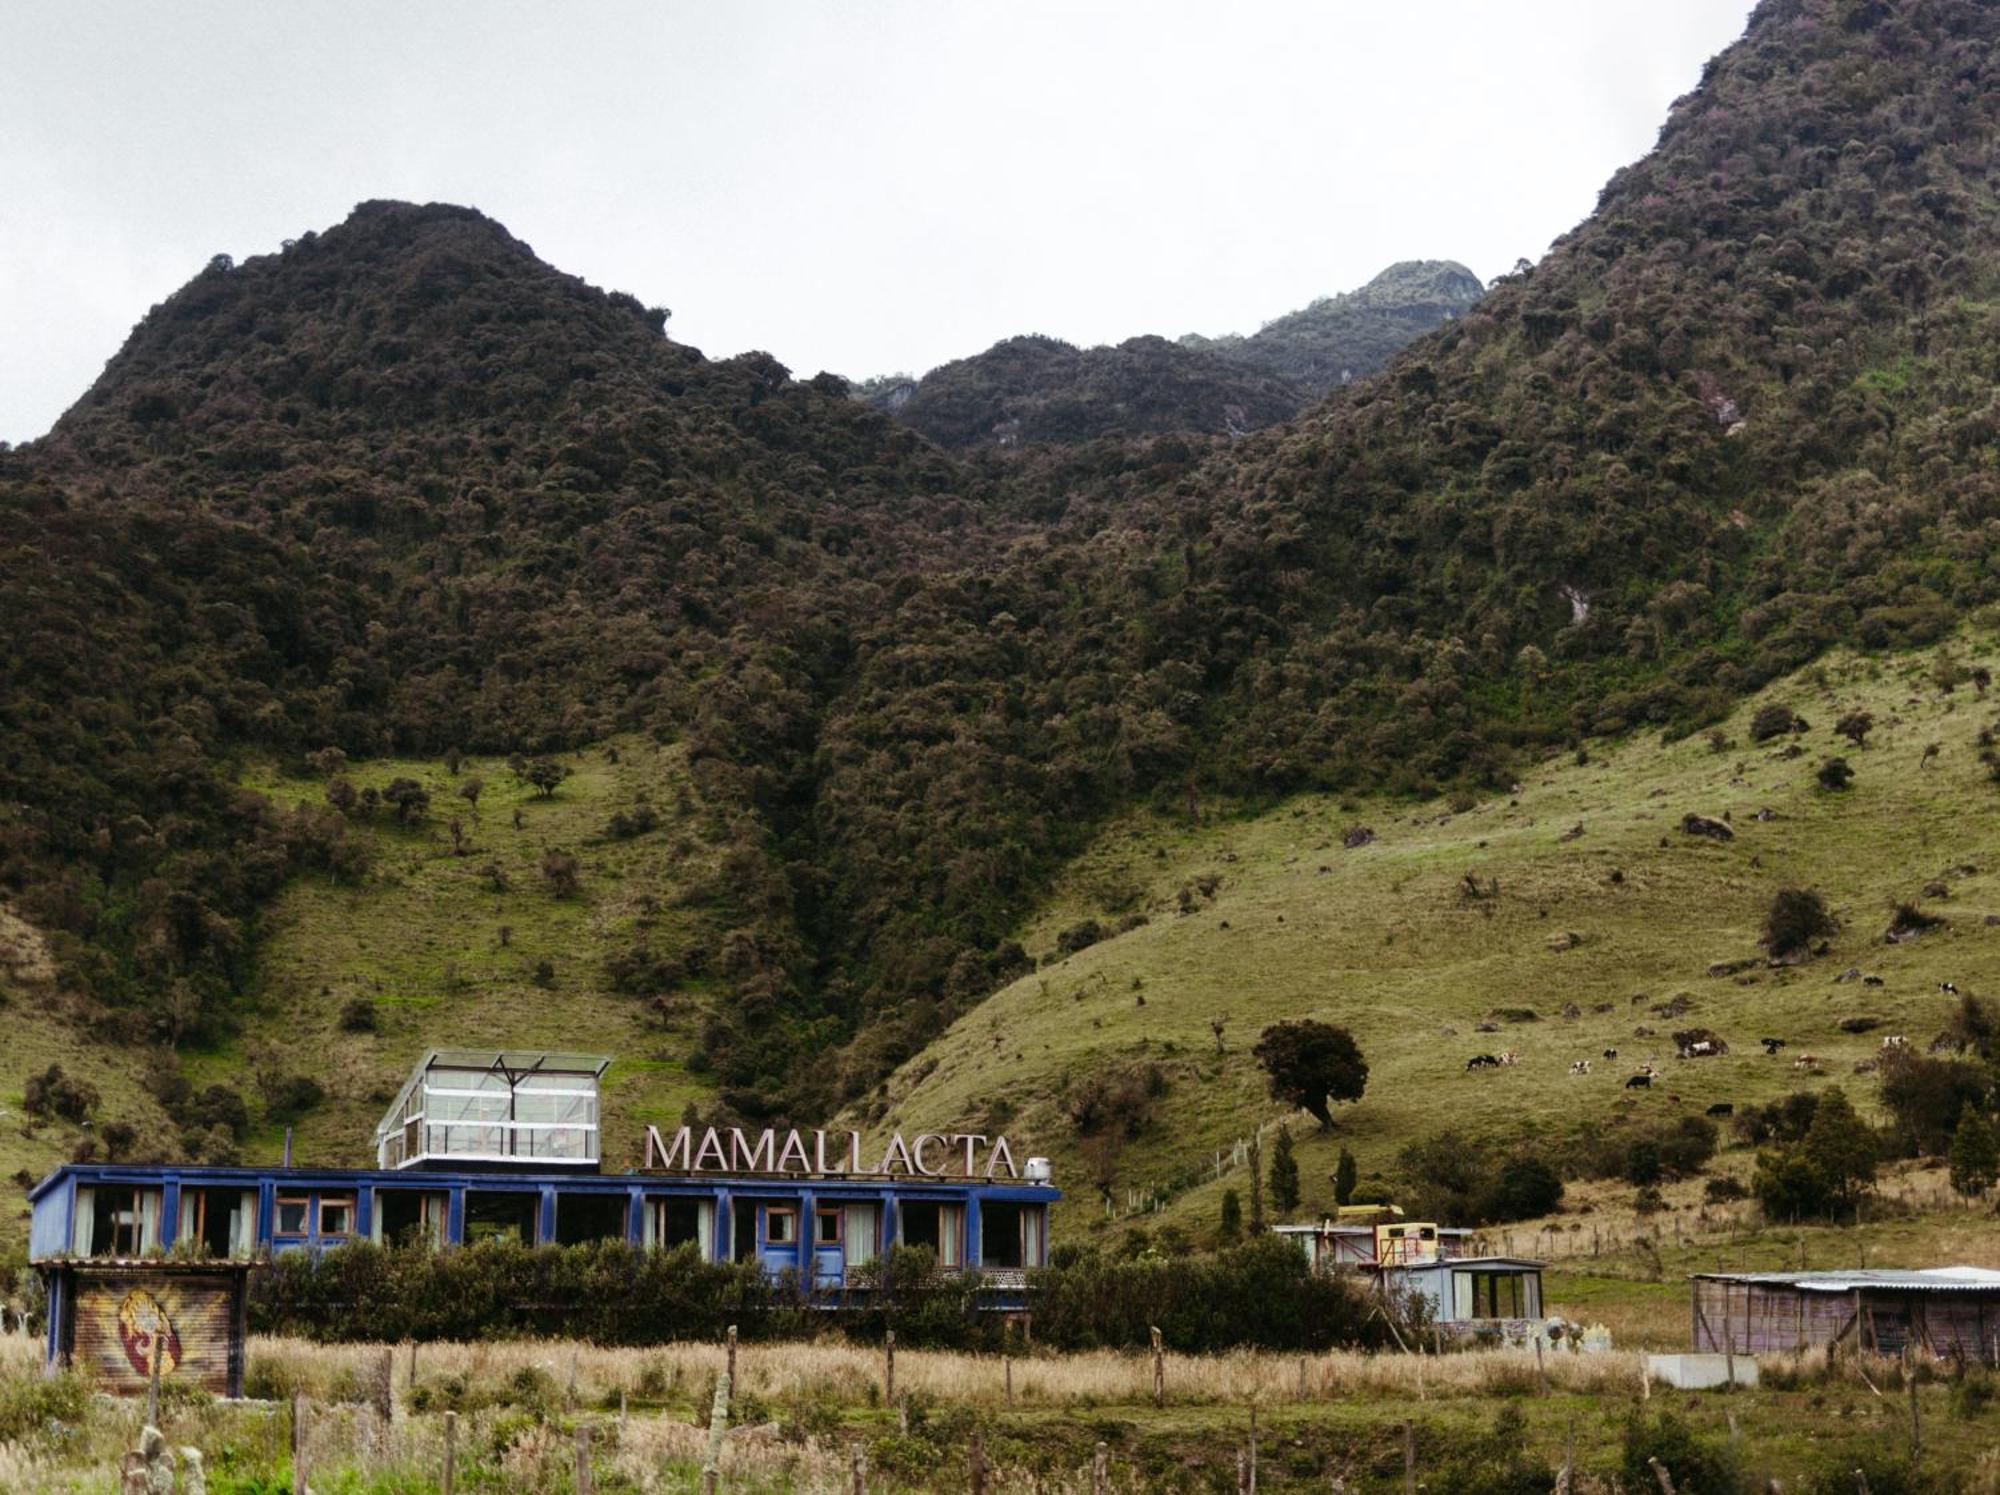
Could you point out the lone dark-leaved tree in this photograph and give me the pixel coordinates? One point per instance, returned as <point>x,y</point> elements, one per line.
<point>545,774</point>
<point>1313,1065</point>
<point>1796,918</point>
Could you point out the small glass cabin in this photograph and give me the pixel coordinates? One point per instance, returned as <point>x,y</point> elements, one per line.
<point>485,1108</point>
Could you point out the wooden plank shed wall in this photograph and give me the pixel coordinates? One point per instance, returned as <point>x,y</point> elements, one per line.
<point>1759,1318</point>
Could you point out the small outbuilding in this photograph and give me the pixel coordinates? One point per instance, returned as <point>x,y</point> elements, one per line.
<point>1943,1311</point>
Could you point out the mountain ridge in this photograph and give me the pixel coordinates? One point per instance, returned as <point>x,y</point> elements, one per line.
<point>1036,389</point>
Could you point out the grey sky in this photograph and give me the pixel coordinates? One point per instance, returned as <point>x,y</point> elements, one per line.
<point>856,186</point>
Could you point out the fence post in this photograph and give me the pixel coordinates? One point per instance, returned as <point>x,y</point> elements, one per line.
<point>1541,1367</point>
<point>1242,1473</point>
<point>385,1387</point>
<point>1303,1393</point>
<point>1008,1364</point>
<point>153,1376</point>
<point>1253,1448</point>
<point>976,1463</point>
<point>1409,1457</point>
<point>1159,1370</point>
<point>413,1362</point>
<point>889,1367</point>
<point>857,1466</point>
<point>450,1449</point>
<point>584,1481</point>
<point>298,1445</point>
<point>1100,1469</point>
<point>718,1426</point>
<point>730,1367</point>
<point>1660,1473</point>
<point>1916,1420</point>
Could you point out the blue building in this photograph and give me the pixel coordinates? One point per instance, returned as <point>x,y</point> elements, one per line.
<point>486,1145</point>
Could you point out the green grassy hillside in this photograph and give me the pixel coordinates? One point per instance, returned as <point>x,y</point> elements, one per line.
<point>430,944</point>
<point>448,960</point>
<point>1590,898</point>
<point>1589,895</point>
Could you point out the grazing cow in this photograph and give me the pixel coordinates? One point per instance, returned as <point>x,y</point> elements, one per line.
<point>1580,1067</point>
<point>1701,1048</point>
<point>1947,988</point>
<point>1721,1108</point>
<point>1895,1041</point>
<point>1510,1057</point>
<point>1481,1061</point>
<point>1672,1099</point>
<point>1611,1053</point>
<point>1806,1061</point>
<point>1771,1046</point>
<point>1871,980</point>
<point>1641,1081</point>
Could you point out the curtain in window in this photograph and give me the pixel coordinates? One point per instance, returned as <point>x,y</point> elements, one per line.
<point>243,1226</point>
<point>149,1220</point>
<point>80,1242</point>
<point>704,1228</point>
<point>1461,1295</point>
<point>951,1235</point>
<point>1033,1220</point>
<point>862,1221</point>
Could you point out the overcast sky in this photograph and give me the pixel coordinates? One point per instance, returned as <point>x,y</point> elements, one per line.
<point>863,187</point>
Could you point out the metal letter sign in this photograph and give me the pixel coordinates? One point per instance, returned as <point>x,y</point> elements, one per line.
<point>931,1155</point>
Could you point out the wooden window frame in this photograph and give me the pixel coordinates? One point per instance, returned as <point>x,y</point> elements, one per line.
<point>772,1214</point>
<point>335,1201</point>
<point>836,1213</point>
<point>305,1204</point>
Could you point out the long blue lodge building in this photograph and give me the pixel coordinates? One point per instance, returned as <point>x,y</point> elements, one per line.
<point>505,1146</point>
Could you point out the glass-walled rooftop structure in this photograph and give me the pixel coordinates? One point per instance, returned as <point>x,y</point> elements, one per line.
<point>467,1107</point>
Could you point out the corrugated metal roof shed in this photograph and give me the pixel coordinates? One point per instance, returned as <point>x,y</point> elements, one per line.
<point>1922,1279</point>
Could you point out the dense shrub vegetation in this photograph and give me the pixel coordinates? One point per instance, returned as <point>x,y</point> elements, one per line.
<point>401,486</point>
<point>1261,1293</point>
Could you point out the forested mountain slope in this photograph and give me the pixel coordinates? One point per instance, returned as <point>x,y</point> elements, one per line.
<point>402,489</point>
<point>1032,389</point>
<point>1339,339</point>
<point>1041,389</point>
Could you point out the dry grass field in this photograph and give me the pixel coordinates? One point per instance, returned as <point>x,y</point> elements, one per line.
<point>803,1414</point>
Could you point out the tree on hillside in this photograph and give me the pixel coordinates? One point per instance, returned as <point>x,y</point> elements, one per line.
<point>1284,1175</point>
<point>1230,1227</point>
<point>1827,1172</point>
<point>1855,727</point>
<point>1796,918</point>
<point>560,871</point>
<point>1312,1065</point>
<point>1525,1187</point>
<point>1774,719</point>
<point>1975,1153</point>
<point>1256,1183</point>
<point>545,774</point>
<point>408,799</point>
<point>1835,774</point>
<point>1345,1174</point>
<point>1927,1095</point>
